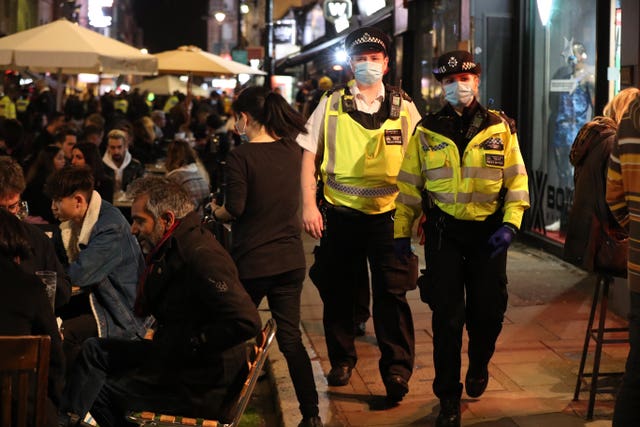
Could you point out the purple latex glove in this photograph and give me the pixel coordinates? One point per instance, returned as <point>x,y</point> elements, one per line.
<point>402,248</point>
<point>500,240</point>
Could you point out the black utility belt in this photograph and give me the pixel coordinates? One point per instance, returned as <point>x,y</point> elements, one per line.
<point>350,212</point>
<point>437,214</point>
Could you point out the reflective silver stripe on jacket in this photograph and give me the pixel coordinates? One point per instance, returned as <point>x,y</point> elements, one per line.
<point>332,124</point>
<point>464,197</point>
<point>361,191</point>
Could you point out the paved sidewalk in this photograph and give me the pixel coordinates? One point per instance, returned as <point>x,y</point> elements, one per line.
<point>532,374</point>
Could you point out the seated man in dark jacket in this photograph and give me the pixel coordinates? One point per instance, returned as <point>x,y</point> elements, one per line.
<point>203,314</point>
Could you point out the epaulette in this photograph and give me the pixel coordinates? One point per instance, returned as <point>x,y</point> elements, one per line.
<point>405,95</point>
<point>333,89</point>
<point>506,119</point>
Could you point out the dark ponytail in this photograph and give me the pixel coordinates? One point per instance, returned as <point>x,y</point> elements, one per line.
<point>270,110</point>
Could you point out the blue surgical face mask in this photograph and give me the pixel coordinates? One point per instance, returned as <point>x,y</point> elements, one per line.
<point>459,94</point>
<point>368,73</point>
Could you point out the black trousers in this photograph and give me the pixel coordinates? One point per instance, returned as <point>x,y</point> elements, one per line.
<point>350,239</point>
<point>463,286</point>
<point>283,294</point>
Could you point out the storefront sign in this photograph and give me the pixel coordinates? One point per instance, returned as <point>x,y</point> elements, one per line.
<point>284,31</point>
<point>337,10</point>
<point>562,85</point>
<point>95,12</point>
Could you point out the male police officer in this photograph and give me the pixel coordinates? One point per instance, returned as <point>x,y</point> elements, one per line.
<point>359,134</point>
<point>464,168</point>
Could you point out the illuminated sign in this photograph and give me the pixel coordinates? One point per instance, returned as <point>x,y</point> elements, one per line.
<point>97,18</point>
<point>337,10</point>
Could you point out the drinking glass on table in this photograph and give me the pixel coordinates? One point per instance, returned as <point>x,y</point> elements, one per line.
<point>49,278</point>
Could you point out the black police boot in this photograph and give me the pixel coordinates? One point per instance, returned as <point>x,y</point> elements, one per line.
<point>311,422</point>
<point>449,415</point>
<point>339,376</point>
<point>396,387</point>
<point>476,381</point>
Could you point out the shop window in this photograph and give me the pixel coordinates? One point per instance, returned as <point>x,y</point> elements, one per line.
<point>563,76</point>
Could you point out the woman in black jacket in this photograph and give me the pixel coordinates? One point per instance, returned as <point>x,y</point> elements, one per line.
<point>263,198</point>
<point>24,306</point>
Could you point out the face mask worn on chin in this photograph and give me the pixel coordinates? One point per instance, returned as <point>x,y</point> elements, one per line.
<point>368,73</point>
<point>458,94</point>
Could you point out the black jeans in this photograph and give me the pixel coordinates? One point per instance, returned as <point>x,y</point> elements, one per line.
<point>350,239</point>
<point>112,376</point>
<point>283,294</point>
<point>626,413</point>
<point>463,285</point>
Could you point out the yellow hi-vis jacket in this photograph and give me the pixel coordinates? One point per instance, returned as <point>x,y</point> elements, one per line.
<point>121,105</point>
<point>467,188</point>
<point>22,104</point>
<point>171,102</point>
<point>7,108</point>
<point>359,165</point>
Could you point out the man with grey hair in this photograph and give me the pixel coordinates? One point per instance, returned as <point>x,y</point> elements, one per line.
<point>204,316</point>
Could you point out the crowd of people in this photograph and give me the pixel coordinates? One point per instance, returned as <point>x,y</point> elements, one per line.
<point>162,311</point>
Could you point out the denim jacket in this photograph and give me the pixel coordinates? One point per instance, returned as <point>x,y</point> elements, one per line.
<point>108,265</point>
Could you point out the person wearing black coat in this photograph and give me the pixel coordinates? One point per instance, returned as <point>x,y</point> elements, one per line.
<point>24,306</point>
<point>203,314</point>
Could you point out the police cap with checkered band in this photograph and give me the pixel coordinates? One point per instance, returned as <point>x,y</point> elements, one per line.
<point>455,62</point>
<point>367,39</point>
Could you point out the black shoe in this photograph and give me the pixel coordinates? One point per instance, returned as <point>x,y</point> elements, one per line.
<point>361,329</point>
<point>476,384</point>
<point>310,422</point>
<point>339,375</point>
<point>449,415</point>
<point>71,420</point>
<point>396,387</point>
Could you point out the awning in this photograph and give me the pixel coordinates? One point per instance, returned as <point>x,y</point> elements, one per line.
<point>308,54</point>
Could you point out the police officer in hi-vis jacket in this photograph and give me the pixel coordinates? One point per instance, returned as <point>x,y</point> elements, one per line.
<point>357,137</point>
<point>464,170</point>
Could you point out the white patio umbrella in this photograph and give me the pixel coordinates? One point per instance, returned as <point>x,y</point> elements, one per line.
<point>194,61</point>
<point>166,85</point>
<point>65,47</point>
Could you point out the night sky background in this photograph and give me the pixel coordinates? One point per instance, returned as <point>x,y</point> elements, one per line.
<point>168,24</point>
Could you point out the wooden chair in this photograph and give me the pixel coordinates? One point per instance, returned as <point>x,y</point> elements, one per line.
<point>239,404</point>
<point>24,374</point>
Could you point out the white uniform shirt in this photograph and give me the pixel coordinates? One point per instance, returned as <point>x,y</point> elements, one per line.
<point>309,141</point>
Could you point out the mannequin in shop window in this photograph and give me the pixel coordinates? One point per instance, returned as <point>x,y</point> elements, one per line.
<point>571,105</point>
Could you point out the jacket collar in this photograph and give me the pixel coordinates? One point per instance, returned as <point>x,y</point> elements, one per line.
<point>88,223</point>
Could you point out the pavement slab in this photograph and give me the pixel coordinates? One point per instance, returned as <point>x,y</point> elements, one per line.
<point>532,374</point>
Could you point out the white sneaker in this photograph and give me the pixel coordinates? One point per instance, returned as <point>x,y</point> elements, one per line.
<point>554,226</point>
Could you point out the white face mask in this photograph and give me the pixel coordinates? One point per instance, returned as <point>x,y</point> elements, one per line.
<point>241,132</point>
<point>459,94</point>
<point>368,73</point>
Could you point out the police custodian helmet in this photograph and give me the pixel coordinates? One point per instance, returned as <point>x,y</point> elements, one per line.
<point>455,62</point>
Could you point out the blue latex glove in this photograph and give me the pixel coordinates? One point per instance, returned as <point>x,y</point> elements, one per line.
<point>402,248</point>
<point>500,240</point>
